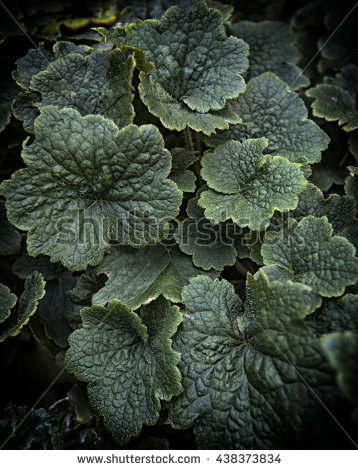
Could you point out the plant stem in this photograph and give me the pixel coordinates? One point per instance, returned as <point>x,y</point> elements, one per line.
<point>198,142</point>
<point>188,139</point>
<point>240,268</point>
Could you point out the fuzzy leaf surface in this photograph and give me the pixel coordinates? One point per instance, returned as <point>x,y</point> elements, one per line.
<point>136,276</point>
<point>27,304</point>
<point>7,301</point>
<point>269,109</point>
<point>307,252</point>
<point>128,362</point>
<point>244,371</point>
<point>83,176</point>
<point>247,186</point>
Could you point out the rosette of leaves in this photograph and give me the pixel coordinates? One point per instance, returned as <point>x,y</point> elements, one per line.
<point>13,317</point>
<point>137,276</point>
<point>97,183</point>
<point>269,109</point>
<point>307,252</point>
<point>247,376</point>
<point>246,185</point>
<point>211,246</point>
<point>128,361</point>
<point>272,49</point>
<point>196,67</point>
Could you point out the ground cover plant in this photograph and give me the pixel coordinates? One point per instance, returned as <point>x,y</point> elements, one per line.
<point>179,225</point>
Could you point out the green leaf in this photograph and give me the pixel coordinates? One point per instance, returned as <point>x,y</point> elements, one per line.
<point>81,296</point>
<point>248,376</point>
<point>306,252</point>
<point>128,362</point>
<point>335,315</point>
<point>7,301</point>
<point>33,292</point>
<point>340,211</point>
<point>351,187</point>
<point>137,276</point>
<point>334,104</point>
<point>270,109</point>
<point>10,239</point>
<point>342,352</point>
<point>211,246</point>
<point>8,92</point>
<point>95,84</point>
<point>197,68</point>
<point>181,160</point>
<point>271,49</point>
<point>247,186</point>
<point>25,109</point>
<point>25,265</point>
<point>87,183</point>
<point>33,62</point>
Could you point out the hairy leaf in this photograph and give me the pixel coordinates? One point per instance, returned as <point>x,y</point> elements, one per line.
<point>7,301</point>
<point>137,276</point>
<point>182,159</point>
<point>27,304</point>
<point>334,104</point>
<point>128,362</point>
<point>247,186</point>
<point>270,109</point>
<point>306,252</point>
<point>271,49</point>
<point>197,68</point>
<point>211,246</point>
<point>247,376</point>
<point>88,182</point>
<point>335,315</point>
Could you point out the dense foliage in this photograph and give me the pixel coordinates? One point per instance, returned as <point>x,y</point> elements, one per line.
<point>179,225</point>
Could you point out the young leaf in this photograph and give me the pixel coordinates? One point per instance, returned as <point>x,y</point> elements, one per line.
<point>197,68</point>
<point>271,49</point>
<point>7,301</point>
<point>270,109</point>
<point>341,350</point>
<point>88,182</point>
<point>137,276</point>
<point>248,377</point>
<point>334,104</point>
<point>95,84</point>
<point>128,362</point>
<point>10,239</point>
<point>247,186</point>
<point>335,315</point>
<point>212,246</point>
<point>33,292</point>
<point>306,252</point>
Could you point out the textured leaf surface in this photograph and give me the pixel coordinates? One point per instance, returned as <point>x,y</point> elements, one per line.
<point>10,239</point>
<point>269,109</point>
<point>88,177</point>
<point>342,352</point>
<point>197,68</point>
<point>334,104</point>
<point>247,186</point>
<point>25,265</point>
<point>95,84</point>
<point>247,377</point>
<point>8,92</point>
<point>27,304</point>
<point>340,211</point>
<point>271,49</point>
<point>136,276</point>
<point>25,109</point>
<point>335,315</point>
<point>211,246</point>
<point>181,160</point>
<point>7,301</point>
<point>128,362</point>
<point>306,252</point>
